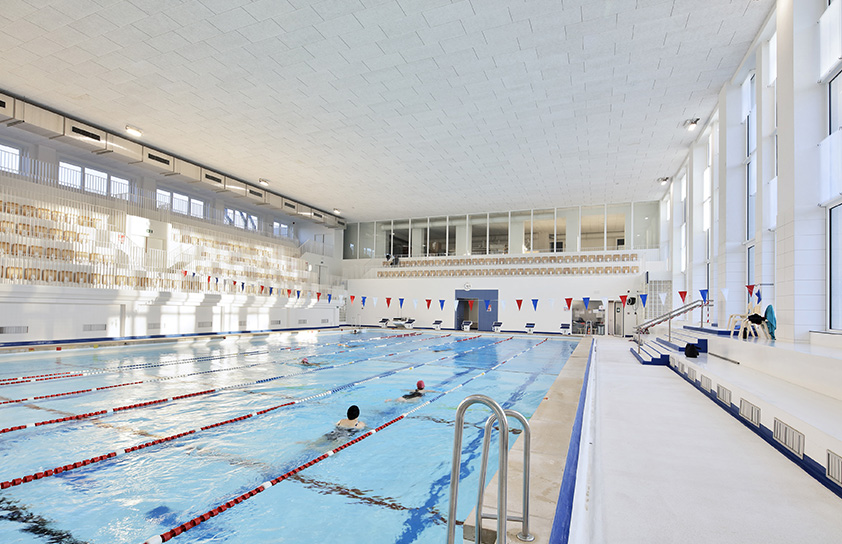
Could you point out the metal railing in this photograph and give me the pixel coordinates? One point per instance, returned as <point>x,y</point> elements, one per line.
<point>501,416</point>
<point>668,317</point>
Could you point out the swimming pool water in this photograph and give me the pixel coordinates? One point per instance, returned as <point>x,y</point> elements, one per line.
<point>389,488</point>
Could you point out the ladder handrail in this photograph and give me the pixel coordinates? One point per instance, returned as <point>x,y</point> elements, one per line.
<point>524,534</point>
<point>502,473</point>
<point>690,306</point>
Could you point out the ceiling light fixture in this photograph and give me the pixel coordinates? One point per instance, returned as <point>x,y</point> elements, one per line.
<point>264,182</point>
<point>134,131</point>
<point>663,181</point>
<point>337,211</point>
<point>691,124</point>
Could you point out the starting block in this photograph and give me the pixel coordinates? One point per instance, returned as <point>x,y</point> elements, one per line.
<point>496,326</point>
<point>530,327</point>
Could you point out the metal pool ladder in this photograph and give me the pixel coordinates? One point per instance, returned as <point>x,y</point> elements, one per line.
<point>502,416</point>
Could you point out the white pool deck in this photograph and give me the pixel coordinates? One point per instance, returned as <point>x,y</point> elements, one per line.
<point>669,465</point>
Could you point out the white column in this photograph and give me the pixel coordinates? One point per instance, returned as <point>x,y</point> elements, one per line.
<point>802,120</point>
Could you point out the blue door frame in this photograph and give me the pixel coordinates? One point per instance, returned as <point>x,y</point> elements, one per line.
<point>487,317</point>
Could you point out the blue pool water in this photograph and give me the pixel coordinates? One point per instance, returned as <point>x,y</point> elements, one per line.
<point>389,488</point>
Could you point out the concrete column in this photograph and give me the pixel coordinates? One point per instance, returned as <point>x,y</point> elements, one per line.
<point>731,253</point>
<point>802,120</point>
<point>764,252</point>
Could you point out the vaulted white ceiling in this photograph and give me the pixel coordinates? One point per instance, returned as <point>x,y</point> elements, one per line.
<point>394,108</point>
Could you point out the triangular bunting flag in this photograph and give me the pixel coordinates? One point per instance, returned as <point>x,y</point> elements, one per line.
<point>535,304</point>
<point>643,299</point>
<point>329,297</point>
<point>502,304</point>
<point>586,300</point>
<point>704,293</point>
<point>569,302</point>
<point>298,293</point>
<point>758,295</point>
<point>441,303</point>
<point>352,298</point>
<point>519,302</point>
<point>552,303</point>
<point>388,302</point>
<point>400,302</point>
<point>271,289</point>
<point>185,273</point>
<point>415,303</point>
<point>289,293</point>
<point>750,289</point>
<point>683,295</point>
<point>605,303</point>
<point>362,300</point>
<point>261,289</point>
<point>663,297</point>
<point>318,297</point>
<point>374,301</point>
<point>623,299</point>
<point>429,300</point>
<point>724,291</point>
<point>487,305</point>
<point>471,304</point>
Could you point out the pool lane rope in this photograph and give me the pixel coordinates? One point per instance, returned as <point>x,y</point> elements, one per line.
<point>174,532</point>
<point>209,391</point>
<point>203,358</point>
<point>85,462</point>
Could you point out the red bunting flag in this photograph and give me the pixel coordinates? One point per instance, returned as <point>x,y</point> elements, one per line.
<point>683,295</point>
<point>623,298</point>
<point>388,301</point>
<point>185,272</point>
<point>429,300</point>
<point>208,279</point>
<point>519,302</point>
<point>289,293</point>
<point>261,289</point>
<point>569,302</point>
<point>471,304</point>
<point>235,282</point>
<point>750,289</point>
<point>318,296</point>
<point>352,298</point>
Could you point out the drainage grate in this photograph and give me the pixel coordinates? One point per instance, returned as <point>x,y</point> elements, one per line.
<point>724,395</point>
<point>92,327</point>
<point>834,467</point>
<point>750,412</point>
<point>706,385</point>
<point>19,329</point>
<point>204,324</point>
<point>691,374</point>
<point>275,322</point>
<point>790,438</point>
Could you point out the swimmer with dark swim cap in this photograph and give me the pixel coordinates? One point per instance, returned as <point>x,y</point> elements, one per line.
<point>351,422</point>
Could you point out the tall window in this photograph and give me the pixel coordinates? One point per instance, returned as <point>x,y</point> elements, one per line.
<point>241,219</point>
<point>163,198</point>
<point>280,229</point>
<point>93,181</point>
<point>9,159</point>
<point>835,244</point>
<point>750,122</point>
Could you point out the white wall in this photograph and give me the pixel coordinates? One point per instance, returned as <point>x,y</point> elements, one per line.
<point>60,313</point>
<point>547,318</point>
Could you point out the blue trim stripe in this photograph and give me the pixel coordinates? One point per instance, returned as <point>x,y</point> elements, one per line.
<point>560,533</point>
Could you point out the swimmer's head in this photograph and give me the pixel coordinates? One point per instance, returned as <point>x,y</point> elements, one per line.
<point>305,360</point>
<point>353,412</point>
<point>419,385</point>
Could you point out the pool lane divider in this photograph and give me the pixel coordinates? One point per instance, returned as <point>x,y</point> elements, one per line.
<point>205,392</point>
<point>181,361</point>
<point>174,532</point>
<point>204,358</point>
<point>64,468</point>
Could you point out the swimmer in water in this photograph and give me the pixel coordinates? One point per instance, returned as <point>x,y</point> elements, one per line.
<point>352,421</point>
<point>412,395</point>
<point>306,362</point>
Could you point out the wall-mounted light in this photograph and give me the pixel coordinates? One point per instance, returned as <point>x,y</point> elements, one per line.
<point>337,211</point>
<point>691,124</point>
<point>663,181</point>
<point>264,182</point>
<point>134,131</point>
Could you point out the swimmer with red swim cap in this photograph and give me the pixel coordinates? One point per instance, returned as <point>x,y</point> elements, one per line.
<point>416,394</point>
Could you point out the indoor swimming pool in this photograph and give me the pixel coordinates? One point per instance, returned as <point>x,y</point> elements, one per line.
<point>120,445</point>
